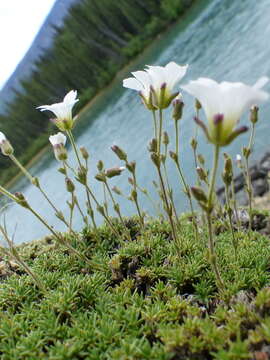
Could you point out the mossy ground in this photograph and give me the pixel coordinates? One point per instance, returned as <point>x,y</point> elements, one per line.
<point>144,303</point>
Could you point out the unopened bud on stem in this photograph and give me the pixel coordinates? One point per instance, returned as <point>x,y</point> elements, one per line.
<point>84,153</point>
<point>119,152</point>
<point>178,106</point>
<point>21,200</point>
<point>198,105</point>
<point>254,114</point>
<point>131,166</point>
<point>69,185</point>
<point>165,138</point>
<point>193,143</point>
<point>116,171</point>
<point>201,173</point>
<point>152,147</point>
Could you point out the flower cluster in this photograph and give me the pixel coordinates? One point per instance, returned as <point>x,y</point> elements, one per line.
<point>223,103</point>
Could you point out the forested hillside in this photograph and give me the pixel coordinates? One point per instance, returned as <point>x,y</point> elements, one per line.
<point>97,38</point>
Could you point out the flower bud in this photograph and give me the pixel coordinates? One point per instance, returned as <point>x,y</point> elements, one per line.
<point>116,208</point>
<point>35,181</point>
<point>246,152</point>
<point>152,147</point>
<point>84,153</point>
<point>62,170</point>
<point>134,195</point>
<point>198,105</point>
<point>193,143</point>
<point>100,209</point>
<point>119,152</point>
<point>131,166</point>
<point>199,194</point>
<point>254,114</point>
<point>131,181</point>
<point>116,190</point>
<point>162,158</point>
<point>69,185</point>
<point>100,177</point>
<point>173,155</point>
<point>21,199</point>
<point>165,138</point>
<point>60,152</point>
<point>116,171</point>
<point>227,174</point>
<point>201,173</point>
<point>100,165</point>
<point>201,159</point>
<point>178,106</point>
<point>82,175</point>
<point>5,146</point>
<point>156,159</point>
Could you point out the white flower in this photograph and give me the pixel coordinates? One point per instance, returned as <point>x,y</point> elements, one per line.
<point>58,139</point>
<point>63,111</point>
<point>224,103</point>
<point>156,83</point>
<point>2,137</point>
<point>58,142</point>
<point>5,146</point>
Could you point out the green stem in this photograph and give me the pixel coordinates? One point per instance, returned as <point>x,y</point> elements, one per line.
<point>136,200</point>
<point>211,246</point>
<point>155,206</point>
<point>168,210</point>
<point>155,123</point>
<point>170,194</point>
<point>71,212</point>
<point>213,176</point>
<point>234,242</point>
<point>22,168</point>
<point>81,212</point>
<point>176,138</point>
<point>248,177</point>
<point>60,239</point>
<point>73,143</point>
<point>187,191</point>
<point>117,210</point>
<point>212,254</point>
<point>35,182</point>
<point>160,130</point>
<point>106,217</point>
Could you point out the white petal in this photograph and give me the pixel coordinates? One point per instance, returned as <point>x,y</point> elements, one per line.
<point>71,97</point>
<point>132,83</point>
<point>58,139</point>
<point>261,82</point>
<point>157,76</point>
<point>207,92</point>
<point>2,137</point>
<point>174,73</point>
<point>143,78</point>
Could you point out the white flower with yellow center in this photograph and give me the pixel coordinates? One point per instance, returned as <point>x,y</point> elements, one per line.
<point>156,84</point>
<point>224,103</point>
<point>63,111</point>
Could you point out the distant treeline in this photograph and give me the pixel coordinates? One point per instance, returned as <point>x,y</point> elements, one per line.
<point>98,37</point>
